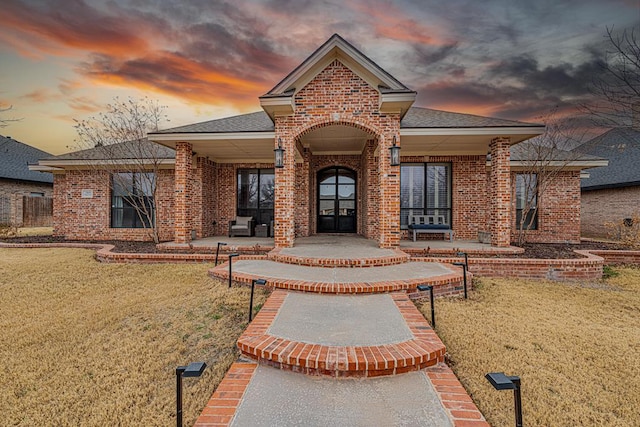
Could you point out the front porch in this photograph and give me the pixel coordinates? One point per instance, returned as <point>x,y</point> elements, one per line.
<point>337,247</point>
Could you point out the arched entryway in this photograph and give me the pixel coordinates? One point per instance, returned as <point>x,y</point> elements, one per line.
<point>337,200</point>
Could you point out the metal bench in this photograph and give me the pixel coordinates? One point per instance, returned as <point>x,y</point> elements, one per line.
<point>429,224</point>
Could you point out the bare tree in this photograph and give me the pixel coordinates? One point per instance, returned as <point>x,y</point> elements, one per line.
<point>540,162</point>
<point>115,142</point>
<point>617,89</point>
<point>4,122</point>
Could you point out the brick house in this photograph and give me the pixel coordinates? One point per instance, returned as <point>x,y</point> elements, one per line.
<point>17,181</point>
<point>335,119</point>
<point>612,193</point>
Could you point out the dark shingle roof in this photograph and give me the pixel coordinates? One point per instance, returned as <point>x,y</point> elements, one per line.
<point>622,147</point>
<point>124,150</point>
<point>15,158</point>
<point>416,117</point>
<point>534,150</point>
<point>252,122</point>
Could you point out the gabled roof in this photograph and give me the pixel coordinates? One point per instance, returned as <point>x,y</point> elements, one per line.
<point>331,48</point>
<point>416,118</point>
<point>394,95</point>
<point>15,158</point>
<point>622,147</point>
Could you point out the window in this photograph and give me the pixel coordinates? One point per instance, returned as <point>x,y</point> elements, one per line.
<point>527,201</point>
<point>256,194</point>
<point>128,191</point>
<point>36,194</point>
<point>425,189</point>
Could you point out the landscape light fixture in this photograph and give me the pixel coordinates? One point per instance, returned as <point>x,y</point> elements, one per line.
<point>218,250</point>
<point>279,162</point>
<point>465,267</point>
<point>429,288</point>
<point>194,369</point>
<point>231,256</point>
<point>500,381</point>
<point>254,282</point>
<point>394,153</point>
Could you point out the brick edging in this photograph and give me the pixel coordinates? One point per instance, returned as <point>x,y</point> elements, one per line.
<point>424,350</point>
<point>444,284</point>
<point>223,404</point>
<point>454,398</point>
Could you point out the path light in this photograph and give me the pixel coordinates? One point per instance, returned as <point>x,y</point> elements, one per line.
<point>465,267</point>
<point>279,162</point>
<point>231,256</point>
<point>254,282</point>
<point>500,381</point>
<point>429,288</point>
<point>394,153</point>
<point>194,369</point>
<point>218,250</point>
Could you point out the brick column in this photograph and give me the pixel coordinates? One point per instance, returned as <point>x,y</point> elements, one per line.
<point>389,205</point>
<point>500,179</point>
<point>182,227</point>
<point>303,194</point>
<point>284,208</point>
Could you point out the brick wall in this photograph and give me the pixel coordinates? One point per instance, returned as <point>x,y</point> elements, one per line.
<point>337,96</point>
<point>76,218</point>
<point>558,211</point>
<point>607,205</point>
<point>11,193</point>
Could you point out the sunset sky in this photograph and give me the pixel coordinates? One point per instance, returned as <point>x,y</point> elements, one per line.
<point>65,59</point>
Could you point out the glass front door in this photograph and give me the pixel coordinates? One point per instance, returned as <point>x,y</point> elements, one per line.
<point>336,200</point>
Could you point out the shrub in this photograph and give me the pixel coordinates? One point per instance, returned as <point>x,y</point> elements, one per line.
<point>625,230</point>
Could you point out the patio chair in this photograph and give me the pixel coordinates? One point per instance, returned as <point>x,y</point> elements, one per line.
<point>241,226</point>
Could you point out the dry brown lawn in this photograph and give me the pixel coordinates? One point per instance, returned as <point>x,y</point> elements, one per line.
<point>575,347</point>
<point>35,231</point>
<point>85,343</point>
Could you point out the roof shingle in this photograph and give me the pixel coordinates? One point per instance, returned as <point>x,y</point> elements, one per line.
<point>622,147</point>
<point>15,158</point>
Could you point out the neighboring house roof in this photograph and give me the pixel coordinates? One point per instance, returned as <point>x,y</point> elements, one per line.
<point>416,118</point>
<point>15,158</point>
<point>622,147</point>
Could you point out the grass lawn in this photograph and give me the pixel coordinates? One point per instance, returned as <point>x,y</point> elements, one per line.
<point>85,343</point>
<point>35,231</point>
<point>575,347</point>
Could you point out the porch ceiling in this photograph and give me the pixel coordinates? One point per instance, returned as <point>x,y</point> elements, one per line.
<point>338,139</point>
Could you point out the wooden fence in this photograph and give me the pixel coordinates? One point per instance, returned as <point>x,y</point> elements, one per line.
<point>37,211</point>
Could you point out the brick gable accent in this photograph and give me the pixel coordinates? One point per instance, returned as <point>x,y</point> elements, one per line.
<point>338,96</point>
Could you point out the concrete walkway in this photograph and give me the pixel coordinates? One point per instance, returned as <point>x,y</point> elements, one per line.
<point>335,360</point>
<point>352,350</point>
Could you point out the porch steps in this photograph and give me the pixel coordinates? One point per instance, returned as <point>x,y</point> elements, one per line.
<point>412,345</point>
<point>445,278</point>
<point>353,261</point>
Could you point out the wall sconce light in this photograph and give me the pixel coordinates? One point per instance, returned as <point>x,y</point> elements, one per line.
<point>279,163</point>
<point>500,381</point>
<point>194,369</point>
<point>394,153</point>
